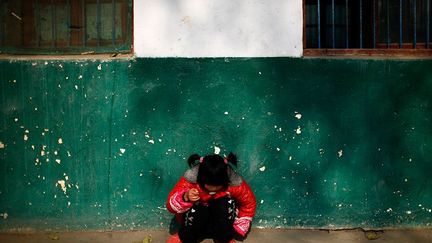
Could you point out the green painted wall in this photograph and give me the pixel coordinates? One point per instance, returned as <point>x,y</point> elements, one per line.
<point>117,133</point>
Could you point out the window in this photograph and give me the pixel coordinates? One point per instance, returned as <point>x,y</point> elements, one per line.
<point>65,26</point>
<point>367,27</point>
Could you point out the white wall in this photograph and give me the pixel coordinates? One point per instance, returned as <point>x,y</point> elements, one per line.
<point>218,28</point>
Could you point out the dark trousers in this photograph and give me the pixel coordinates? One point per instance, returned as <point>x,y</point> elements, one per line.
<point>214,221</point>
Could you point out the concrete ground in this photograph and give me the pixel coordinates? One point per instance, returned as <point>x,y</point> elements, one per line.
<point>256,236</point>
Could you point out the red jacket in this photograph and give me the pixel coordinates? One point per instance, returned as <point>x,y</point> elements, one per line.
<point>237,189</point>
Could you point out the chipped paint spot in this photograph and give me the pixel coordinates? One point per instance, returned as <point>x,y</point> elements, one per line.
<point>262,168</point>
<point>62,185</point>
<point>262,201</point>
<point>80,77</point>
<point>1,145</point>
<point>151,141</point>
<point>69,154</point>
<point>298,130</point>
<point>4,215</point>
<point>278,149</point>
<point>226,113</point>
<point>340,153</point>
<point>58,161</point>
<point>99,67</point>
<point>16,119</point>
<point>76,87</point>
<point>122,150</point>
<point>60,141</point>
<point>25,137</point>
<point>389,210</point>
<point>298,116</point>
<point>216,150</point>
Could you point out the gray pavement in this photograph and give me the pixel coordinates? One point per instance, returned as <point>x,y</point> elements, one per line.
<point>256,236</point>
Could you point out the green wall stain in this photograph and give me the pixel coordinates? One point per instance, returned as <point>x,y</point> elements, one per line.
<point>358,156</point>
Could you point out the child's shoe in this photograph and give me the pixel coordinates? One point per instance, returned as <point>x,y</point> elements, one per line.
<point>174,239</point>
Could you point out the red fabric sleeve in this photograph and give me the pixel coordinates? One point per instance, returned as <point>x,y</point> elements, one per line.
<point>245,199</point>
<point>175,203</point>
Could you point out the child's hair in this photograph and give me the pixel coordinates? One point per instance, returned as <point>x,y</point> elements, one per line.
<point>213,168</point>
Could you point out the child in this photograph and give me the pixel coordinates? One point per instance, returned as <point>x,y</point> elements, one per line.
<point>211,201</point>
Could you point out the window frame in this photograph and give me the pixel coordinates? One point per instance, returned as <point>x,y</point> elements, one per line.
<point>90,47</point>
<point>406,50</point>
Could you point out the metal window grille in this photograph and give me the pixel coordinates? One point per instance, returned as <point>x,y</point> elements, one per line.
<point>367,24</point>
<point>65,26</point>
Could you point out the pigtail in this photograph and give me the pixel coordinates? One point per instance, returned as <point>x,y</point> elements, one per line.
<point>193,160</point>
<point>232,159</point>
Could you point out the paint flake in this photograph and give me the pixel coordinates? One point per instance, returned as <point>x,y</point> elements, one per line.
<point>216,150</point>
<point>298,116</point>
<point>122,150</point>
<point>62,185</point>
<point>1,145</point>
<point>340,153</point>
<point>262,168</point>
<point>99,67</point>
<point>151,141</point>
<point>298,130</point>
<point>25,137</point>
<point>60,141</point>
<point>58,161</point>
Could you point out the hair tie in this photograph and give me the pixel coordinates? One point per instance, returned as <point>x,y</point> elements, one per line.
<point>225,160</point>
<point>201,159</point>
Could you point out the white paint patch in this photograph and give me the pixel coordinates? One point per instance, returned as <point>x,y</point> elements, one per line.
<point>226,112</point>
<point>25,137</point>
<point>122,150</point>
<point>151,141</point>
<point>408,212</point>
<point>62,185</point>
<point>340,153</point>
<point>290,158</point>
<point>16,119</point>
<point>262,201</point>
<point>298,116</point>
<point>60,141</point>
<point>69,154</point>
<point>216,150</point>
<point>4,215</point>
<point>99,67</point>
<point>298,130</point>
<point>262,168</point>
<point>1,145</point>
<point>278,149</point>
<point>218,28</point>
<point>58,161</point>
<point>80,77</point>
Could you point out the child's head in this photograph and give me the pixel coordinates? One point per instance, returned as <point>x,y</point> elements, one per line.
<point>213,170</point>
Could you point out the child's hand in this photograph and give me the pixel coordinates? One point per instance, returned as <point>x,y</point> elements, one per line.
<point>192,195</point>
